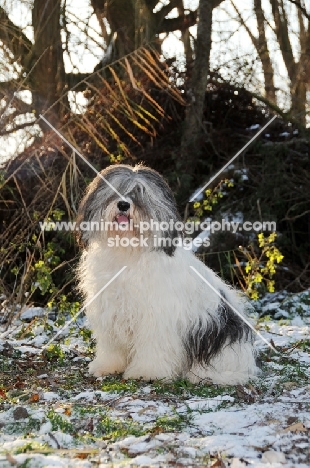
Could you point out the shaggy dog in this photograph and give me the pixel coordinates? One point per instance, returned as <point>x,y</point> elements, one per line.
<point>166,315</point>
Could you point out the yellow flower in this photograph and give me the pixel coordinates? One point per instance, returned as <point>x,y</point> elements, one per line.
<point>254,295</point>
<point>258,278</point>
<point>279,256</point>
<point>271,268</point>
<point>208,192</point>
<point>272,237</point>
<point>261,240</point>
<point>248,268</point>
<point>270,286</point>
<point>196,205</point>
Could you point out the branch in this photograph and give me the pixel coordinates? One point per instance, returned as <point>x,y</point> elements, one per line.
<point>14,38</point>
<point>216,3</point>
<point>263,51</point>
<point>161,14</point>
<point>301,8</point>
<point>180,23</point>
<point>243,23</point>
<point>16,127</point>
<point>99,9</point>
<point>7,88</point>
<point>76,80</point>
<point>285,115</point>
<point>151,4</point>
<point>283,38</point>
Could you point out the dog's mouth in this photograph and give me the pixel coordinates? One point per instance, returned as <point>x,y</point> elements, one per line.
<point>122,218</point>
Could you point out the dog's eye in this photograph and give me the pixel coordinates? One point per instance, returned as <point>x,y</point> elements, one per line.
<point>140,189</point>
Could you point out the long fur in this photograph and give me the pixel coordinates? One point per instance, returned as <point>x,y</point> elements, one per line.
<point>157,319</point>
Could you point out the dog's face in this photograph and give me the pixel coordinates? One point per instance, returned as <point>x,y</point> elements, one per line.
<point>128,202</point>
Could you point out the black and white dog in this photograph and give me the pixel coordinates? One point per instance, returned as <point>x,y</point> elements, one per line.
<point>166,315</point>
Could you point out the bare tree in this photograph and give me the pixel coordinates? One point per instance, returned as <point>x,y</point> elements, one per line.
<point>193,125</point>
<point>39,63</point>
<point>261,45</point>
<point>297,65</point>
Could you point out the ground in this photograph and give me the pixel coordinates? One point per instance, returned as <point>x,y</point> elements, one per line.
<point>52,413</point>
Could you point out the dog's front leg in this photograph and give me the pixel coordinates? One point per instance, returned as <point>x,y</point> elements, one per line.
<point>109,359</point>
<point>159,357</point>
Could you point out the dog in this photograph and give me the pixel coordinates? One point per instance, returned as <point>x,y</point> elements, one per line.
<point>165,315</point>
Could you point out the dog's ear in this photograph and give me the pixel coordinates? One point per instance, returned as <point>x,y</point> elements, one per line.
<point>80,237</point>
<point>85,214</point>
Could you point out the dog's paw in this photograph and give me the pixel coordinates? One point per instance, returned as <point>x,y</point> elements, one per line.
<point>146,374</point>
<point>98,368</point>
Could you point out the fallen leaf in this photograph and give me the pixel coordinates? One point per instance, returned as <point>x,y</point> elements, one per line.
<point>82,456</point>
<point>68,411</point>
<point>157,430</point>
<point>219,462</point>
<point>297,427</point>
<point>289,385</point>
<point>2,394</point>
<point>11,459</point>
<point>34,398</point>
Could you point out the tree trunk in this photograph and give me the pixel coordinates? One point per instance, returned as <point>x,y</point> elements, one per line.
<point>193,127</point>
<point>133,22</point>
<point>48,75</point>
<point>263,52</point>
<point>299,99</point>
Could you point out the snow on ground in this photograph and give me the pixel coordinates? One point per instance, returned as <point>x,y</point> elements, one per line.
<point>53,414</point>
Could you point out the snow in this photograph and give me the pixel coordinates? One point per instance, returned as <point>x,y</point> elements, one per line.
<point>32,312</point>
<point>92,396</point>
<point>254,127</point>
<point>50,396</point>
<point>271,456</point>
<point>45,428</point>
<point>268,426</point>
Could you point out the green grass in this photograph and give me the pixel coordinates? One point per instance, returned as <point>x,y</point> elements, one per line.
<point>184,388</point>
<point>175,423</point>
<point>113,429</point>
<point>118,385</point>
<point>60,422</point>
<point>25,427</point>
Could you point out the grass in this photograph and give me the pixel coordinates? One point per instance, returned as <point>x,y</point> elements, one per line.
<point>184,388</point>
<point>118,385</point>
<point>113,429</point>
<point>26,427</point>
<point>89,422</point>
<point>60,422</point>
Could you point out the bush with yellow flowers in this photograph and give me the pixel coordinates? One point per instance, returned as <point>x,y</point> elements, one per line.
<point>257,275</point>
<point>211,197</point>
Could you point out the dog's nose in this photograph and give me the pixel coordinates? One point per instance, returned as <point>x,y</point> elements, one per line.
<point>123,205</point>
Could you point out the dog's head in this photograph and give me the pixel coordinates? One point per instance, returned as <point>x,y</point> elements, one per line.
<point>128,202</point>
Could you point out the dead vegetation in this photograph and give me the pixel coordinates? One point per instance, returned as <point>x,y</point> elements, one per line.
<point>134,113</point>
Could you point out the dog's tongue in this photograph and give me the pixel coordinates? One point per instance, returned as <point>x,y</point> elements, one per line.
<point>122,219</point>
